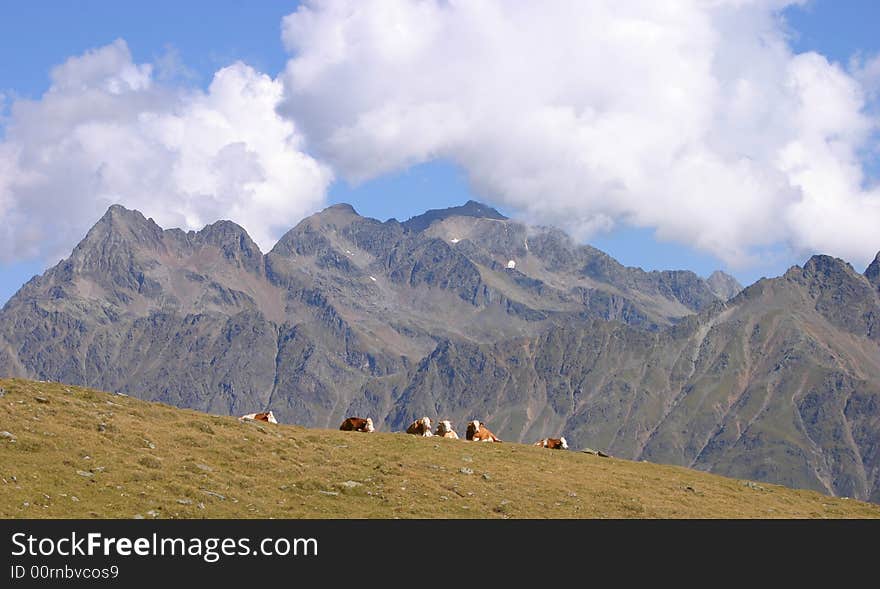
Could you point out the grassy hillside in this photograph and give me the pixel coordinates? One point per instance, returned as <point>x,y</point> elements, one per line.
<point>72,452</point>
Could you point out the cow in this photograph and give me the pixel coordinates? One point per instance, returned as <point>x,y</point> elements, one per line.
<point>420,427</point>
<point>357,424</point>
<point>444,430</point>
<point>266,416</point>
<point>553,443</point>
<point>478,432</point>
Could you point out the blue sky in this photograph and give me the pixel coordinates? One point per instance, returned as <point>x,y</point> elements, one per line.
<point>204,36</point>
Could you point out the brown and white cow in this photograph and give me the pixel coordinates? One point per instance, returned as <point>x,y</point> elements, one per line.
<point>444,430</point>
<point>553,443</point>
<point>478,432</point>
<point>420,427</point>
<point>266,416</point>
<point>357,424</point>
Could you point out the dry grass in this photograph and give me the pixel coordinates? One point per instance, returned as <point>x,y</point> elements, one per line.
<point>79,453</point>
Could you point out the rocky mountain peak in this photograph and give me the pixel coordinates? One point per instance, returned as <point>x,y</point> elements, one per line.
<point>826,274</point>
<point>338,215</point>
<point>119,231</point>
<point>342,207</point>
<point>723,285</point>
<point>840,294</point>
<point>226,234</point>
<point>823,265</point>
<point>235,243</point>
<point>308,235</point>
<point>121,214</point>
<point>471,208</point>
<point>121,220</point>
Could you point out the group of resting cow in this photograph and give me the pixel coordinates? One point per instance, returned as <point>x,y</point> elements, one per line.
<point>476,431</point>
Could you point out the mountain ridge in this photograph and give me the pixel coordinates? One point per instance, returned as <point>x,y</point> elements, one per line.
<point>351,315</point>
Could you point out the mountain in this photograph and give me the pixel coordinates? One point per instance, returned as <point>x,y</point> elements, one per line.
<point>462,313</point>
<point>723,285</point>
<point>873,272</point>
<point>471,208</point>
<point>163,462</point>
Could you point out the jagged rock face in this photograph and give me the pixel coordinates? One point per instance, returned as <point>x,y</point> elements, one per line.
<point>724,286</point>
<point>873,272</point>
<point>348,315</point>
<point>843,297</point>
<point>469,209</point>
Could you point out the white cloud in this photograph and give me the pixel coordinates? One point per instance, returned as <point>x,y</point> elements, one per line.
<point>867,72</point>
<point>692,116</point>
<point>107,132</point>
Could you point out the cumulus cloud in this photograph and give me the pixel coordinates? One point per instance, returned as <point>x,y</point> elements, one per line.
<point>108,131</point>
<point>866,69</point>
<point>694,117</point>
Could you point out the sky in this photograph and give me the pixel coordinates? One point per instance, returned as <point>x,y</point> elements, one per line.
<point>738,135</point>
